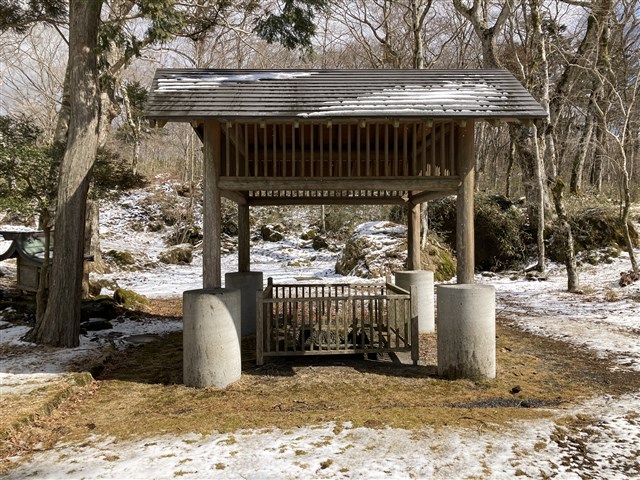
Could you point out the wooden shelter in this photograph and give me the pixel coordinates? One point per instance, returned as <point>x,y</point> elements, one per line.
<point>27,247</point>
<point>280,137</point>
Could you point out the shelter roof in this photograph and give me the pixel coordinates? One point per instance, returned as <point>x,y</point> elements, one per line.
<point>28,245</point>
<point>199,94</point>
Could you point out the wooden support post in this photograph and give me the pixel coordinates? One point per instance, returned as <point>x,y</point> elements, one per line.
<point>244,259</point>
<point>465,248</point>
<point>413,238</point>
<point>212,271</point>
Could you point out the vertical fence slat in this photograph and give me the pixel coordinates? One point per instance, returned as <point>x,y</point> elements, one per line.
<point>395,150</point>
<point>349,151</point>
<point>415,342</point>
<point>236,134</point>
<point>387,167</point>
<point>443,153</point>
<point>433,150</point>
<point>339,149</point>
<point>227,138</point>
<point>260,320</point>
<point>452,152</point>
<point>405,150</point>
<point>246,150</point>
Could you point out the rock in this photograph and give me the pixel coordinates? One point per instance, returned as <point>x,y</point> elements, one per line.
<point>229,226</point>
<point>121,257</point>
<point>99,308</point>
<point>177,255</point>
<point>271,233</point>
<point>516,389</point>
<point>627,278</point>
<point>374,249</point>
<point>96,324</point>
<point>94,288</point>
<point>130,299</point>
<point>308,235</point>
<point>319,243</point>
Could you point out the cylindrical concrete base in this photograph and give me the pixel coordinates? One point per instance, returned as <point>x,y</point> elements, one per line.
<point>423,281</point>
<point>211,337</point>
<point>466,331</point>
<point>248,283</point>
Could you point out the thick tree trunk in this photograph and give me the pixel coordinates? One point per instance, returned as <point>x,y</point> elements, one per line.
<point>60,325</point>
<point>43,281</point>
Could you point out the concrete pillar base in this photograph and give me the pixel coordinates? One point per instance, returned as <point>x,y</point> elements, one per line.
<point>211,337</point>
<point>249,283</point>
<point>466,331</point>
<point>423,281</point>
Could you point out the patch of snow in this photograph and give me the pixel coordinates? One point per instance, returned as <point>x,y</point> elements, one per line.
<point>527,449</point>
<point>214,81</point>
<point>405,100</point>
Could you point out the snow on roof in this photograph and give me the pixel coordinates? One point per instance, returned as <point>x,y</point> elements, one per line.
<point>187,94</point>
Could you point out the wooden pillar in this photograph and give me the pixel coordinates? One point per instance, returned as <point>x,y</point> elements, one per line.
<point>244,259</point>
<point>465,153</point>
<point>413,238</point>
<point>212,231</point>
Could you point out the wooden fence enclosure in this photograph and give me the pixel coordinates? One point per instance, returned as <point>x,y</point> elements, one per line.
<point>324,319</point>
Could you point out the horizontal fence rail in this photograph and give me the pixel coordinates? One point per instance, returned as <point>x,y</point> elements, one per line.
<point>323,319</point>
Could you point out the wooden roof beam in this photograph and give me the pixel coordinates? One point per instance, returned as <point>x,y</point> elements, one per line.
<point>244,184</point>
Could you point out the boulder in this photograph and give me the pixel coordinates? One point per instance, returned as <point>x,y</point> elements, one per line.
<point>374,249</point>
<point>319,243</point>
<point>271,233</point>
<point>130,299</point>
<point>104,308</point>
<point>177,255</point>
<point>121,257</point>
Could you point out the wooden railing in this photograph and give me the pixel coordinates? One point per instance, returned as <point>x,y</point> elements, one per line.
<point>322,319</point>
<point>360,149</point>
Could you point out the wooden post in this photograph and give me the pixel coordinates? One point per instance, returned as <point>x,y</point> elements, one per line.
<point>413,238</point>
<point>465,228</point>
<point>212,271</point>
<point>260,328</point>
<point>244,259</point>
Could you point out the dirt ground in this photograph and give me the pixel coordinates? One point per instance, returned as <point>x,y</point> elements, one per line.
<point>137,392</point>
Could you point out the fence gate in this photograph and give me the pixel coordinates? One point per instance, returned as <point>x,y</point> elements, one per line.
<point>325,319</point>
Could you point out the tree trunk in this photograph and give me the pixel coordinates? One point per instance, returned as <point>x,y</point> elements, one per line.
<point>62,125</point>
<point>577,167</point>
<point>598,162</point>
<point>573,283</point>
<point>43,280</point>
<point>625,218</point>
<point>60,325</point>
<point>512,156</point>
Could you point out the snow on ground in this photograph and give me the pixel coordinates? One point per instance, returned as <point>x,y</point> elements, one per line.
<point>605,319</point>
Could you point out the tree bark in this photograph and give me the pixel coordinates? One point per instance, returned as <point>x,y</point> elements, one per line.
<point>577,167</point>
<point>573,284</point>
<point>60,324</point>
